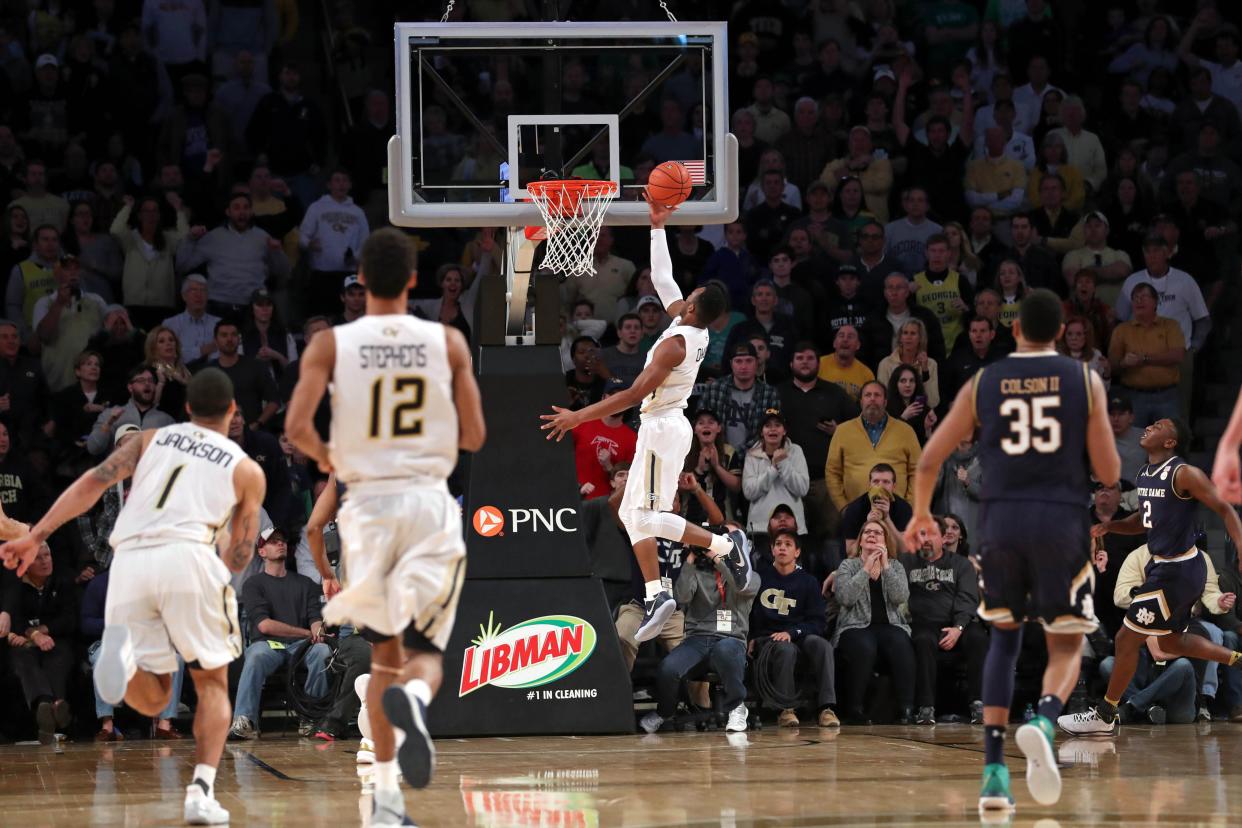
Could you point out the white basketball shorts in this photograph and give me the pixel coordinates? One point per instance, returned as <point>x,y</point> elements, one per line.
<point>174,598</point>
<point>404,561</point>
<point>659,456</point>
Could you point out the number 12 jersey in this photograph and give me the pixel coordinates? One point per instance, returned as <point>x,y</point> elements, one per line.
<point>393,415</point>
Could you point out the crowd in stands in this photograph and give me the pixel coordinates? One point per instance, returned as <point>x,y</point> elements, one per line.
<point>177,195</point>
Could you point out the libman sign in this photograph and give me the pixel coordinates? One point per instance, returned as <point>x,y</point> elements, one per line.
<point>528,654</point>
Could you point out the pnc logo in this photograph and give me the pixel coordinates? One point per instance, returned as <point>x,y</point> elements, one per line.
<point>489,521</point>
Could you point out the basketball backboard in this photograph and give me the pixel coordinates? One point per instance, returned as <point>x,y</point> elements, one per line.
<point>483,109</point>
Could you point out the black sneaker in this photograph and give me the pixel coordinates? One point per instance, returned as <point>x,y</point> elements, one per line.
<point>417,754</point>
<point>976,712</point>
<point>655,614</point>
<point>738,559</point>
<point>926,716</point>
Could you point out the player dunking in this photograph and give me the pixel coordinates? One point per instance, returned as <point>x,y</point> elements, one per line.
<point>169,592</point>
<point>404,401</point>
<point>664,436</point>
<point>1040,415</point>
<point>1169,492</point>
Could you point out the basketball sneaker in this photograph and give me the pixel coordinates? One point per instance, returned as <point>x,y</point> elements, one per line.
<point>115,665</point>
<point>416,754</point>
<point>738,559</point>
<point>656,612</point>
<point>737,719</point>
<point>366,752</point>
<point>651,722</point>
<point>201,809</point>
<point>1043,779</point>
<point>994,794</point>
<point>388,810</point>
<point>1090,723</point>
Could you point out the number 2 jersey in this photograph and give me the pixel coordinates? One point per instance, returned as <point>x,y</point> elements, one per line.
<point>1032,410</point>
<point>1168,515</point>
<point>393,414</point>
<point>182,489</point>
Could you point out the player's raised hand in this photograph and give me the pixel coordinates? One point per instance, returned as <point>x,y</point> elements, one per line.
<point>659,212</point>
<point>1227,478</point>
<point>921,529</point>
<point>559,423</point>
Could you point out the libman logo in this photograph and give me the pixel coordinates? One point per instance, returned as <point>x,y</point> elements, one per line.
<point>535,652</point>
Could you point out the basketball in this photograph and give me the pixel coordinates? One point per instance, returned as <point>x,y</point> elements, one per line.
<point>669,184</point>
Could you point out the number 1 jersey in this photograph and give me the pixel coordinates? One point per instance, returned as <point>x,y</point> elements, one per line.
<point>393,414</point>
<point>1032,409</point>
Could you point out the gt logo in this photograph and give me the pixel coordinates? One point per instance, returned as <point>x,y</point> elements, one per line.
<point>775,599</point>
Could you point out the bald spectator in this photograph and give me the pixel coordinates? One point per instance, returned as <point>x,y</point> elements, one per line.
<point>195,327</point>
<point>65,321</point>
<point>1146,358</point>
<point>842,366</point>
<point>860,444</point>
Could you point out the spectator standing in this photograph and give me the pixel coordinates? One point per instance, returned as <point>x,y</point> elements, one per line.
<point>859,444</point>
<point>1126,436</point>
<point>976,350</point>
<point>995,181</point>
<point>241,26</point>
<point>842,365</point>
<point>333,229</point>
<point>959,487</point>
<point>149,231</point>
<point>240,258</point>
<point>943,627</point>
<point>1179,297</point>
<point>732,265</point>
<point>239,96</point>
<point>291,131</point>
<point>872,263</point>
<point>906,238</point>
<point>769,323</point>
<point>139,410</point>
<point>943,291</point>
<point>624,360</point>
<point>195,135</point>
<point>880,332</point>
<point>366,156</point>
<point>44,619</point>
<point>1038,264</point>
<point>873,173</point>
<point>849,307</point>
<point>1110,266</point>
<point>600,445</point>
<point>1203,106</point>
<point>871,589</point>
<point>1083,148</point>
<point>1146,354</point>
<point>176,34</point>
<point>194,327</point>
<point>97,253</point>
<point>938,164</point>
<point>253,384</point>
<point>774,472</point>
<point>1225,71</point>
<point>282,610</point>
<point>768,221</point>
<point>42,207</point>
<point>793,300</point>
<point>739,399</point>
<point>65,321</point>
<point>807,146</point>
<point>788,621</point>
<point>32,279</point>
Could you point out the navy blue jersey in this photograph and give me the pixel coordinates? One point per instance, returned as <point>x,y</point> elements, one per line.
<point>1032,410</point>
<point>1168,515</point>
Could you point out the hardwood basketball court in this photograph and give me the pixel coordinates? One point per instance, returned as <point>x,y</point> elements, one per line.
<point>890,776</point>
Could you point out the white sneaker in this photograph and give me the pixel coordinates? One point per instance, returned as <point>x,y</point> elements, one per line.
<point>201,809</point>
<point>651,722</point>
<point>1087,724</point>
<point>115,665</point>
<point>1043,777</point>
<point>366,752</point>
<point>737,719</point>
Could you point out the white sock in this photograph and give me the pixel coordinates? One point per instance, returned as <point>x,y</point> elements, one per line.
<point>721,544</point>
<point>420,689</point>
<point>654,588</point>
<point>386,775</point>
<point>207,775</point>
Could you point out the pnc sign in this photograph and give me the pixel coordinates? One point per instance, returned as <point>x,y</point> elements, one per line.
<point>490,521</point>
<point>533,653</point>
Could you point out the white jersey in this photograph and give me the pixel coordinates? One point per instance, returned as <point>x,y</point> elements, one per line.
<point>679,384</point>
<point>182,489</point>
<point>393,414</point>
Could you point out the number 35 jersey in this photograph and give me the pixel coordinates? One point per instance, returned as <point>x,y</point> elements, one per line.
<point>1032,409</point>
<point>182,489</point>
<point>393,415</point>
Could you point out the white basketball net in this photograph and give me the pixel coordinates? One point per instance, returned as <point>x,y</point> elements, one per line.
<point>573,212</point>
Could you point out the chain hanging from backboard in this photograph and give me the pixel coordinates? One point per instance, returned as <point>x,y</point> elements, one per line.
<point>449,10</point>
<point>663,5</point>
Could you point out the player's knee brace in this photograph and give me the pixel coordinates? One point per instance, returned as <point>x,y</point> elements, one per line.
<point>641,524</point>
<point>998,667</point>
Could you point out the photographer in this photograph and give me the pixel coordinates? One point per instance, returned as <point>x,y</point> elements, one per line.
<point>880,502</point>
<point>717,618</point>
<point>789,620</point>
<point>943,626</point>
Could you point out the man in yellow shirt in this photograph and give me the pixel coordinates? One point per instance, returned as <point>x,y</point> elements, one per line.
<point>842,366</point>
<point>859,444</point>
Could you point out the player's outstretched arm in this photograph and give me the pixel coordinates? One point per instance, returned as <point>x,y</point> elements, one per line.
<point>251,487</point>
<point>958,425</point>
<point>1101,446</point>
<point>661,262</point>
<point>1131,525</point>
<point>1226,474</point>
<point>471,427</point>
<point>321,515</point>
<point>81,495</point>
<point>668,355</point>
<point>1192,481</point>
<point>314,373</point>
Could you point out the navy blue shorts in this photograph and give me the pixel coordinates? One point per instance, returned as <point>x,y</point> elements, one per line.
<point>1163,603</point>
<point>1035,564</point>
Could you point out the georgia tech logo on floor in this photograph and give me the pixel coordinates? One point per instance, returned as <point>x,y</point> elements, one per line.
<point>535,652</point>
<point>489,521</point>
